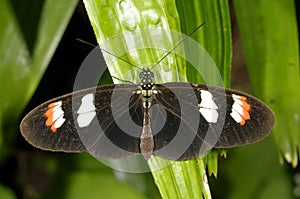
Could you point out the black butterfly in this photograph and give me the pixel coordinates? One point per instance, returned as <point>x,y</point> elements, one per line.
<point>176,121</point>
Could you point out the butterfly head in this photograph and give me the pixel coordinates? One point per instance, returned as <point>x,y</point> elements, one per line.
<point>146,77</point>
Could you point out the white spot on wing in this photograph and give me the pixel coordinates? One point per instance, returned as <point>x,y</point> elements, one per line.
<point>236,107</point>
<point>57,105</point>
<point>236,116</point>
<point>207,100</point>
<point>87,104</point>
<point>85,119</point>
<point>59,121</point>
<point>240,109</point>
<point>208,107</point>
<point>86,111</point>
<point>57,113</point>
<point>237,99</point>
<point>210,115</point>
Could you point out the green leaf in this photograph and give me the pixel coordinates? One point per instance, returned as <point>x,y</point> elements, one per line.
<point>80,176</point>
<point>270,41</point>
<point>6,193</point>
<point>94,185</point>
<point>29,35</point>
<point>111,18</point>
<point>94,180</point>
<point>254,173</point>
<point>216,34</point>
<point>180,179</point>
<point>123,17</point>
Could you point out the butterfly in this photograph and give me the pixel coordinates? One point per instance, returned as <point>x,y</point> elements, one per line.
<point>176,120</point>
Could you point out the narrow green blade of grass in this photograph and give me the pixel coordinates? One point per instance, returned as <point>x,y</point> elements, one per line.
<point>110,18</point>
<point>29,35</point>
<point>270,41</point>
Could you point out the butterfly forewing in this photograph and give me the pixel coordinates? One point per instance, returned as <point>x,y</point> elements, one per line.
<point>34,129</point>
<point>102,135</point>
<point>181,124</point>
<point>120,123</point>
<point>188,134</point>
<point>259,125</point>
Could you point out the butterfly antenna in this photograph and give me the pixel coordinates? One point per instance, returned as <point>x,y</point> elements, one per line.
<point>122,80</point>
<point>168,53</point>
<point>110,53</point>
